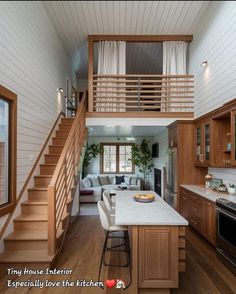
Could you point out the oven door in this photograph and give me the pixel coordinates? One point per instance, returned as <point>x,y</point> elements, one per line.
<point>226,236</point>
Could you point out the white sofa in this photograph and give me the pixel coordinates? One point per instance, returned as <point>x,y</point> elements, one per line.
<point>96,184</point>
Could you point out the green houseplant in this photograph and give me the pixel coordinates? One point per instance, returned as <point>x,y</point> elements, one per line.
<point>142,158</point>
<point>91,152</point>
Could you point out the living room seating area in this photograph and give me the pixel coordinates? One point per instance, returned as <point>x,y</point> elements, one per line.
<point>92,186</point>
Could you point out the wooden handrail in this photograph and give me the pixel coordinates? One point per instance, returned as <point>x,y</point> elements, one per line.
<point>169,93</point>
<point>62,182</point>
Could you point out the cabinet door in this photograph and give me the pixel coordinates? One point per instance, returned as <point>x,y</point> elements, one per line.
<point>185,206</point>
<point>206,142</point>
<point>233,138</point>
<point>209,222</point>
<point>173,137</point>
<point>198,140</point>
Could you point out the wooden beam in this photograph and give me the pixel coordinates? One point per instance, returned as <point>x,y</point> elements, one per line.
<point>90,72</point>
<point>142,114</point>
<point>141,38</point>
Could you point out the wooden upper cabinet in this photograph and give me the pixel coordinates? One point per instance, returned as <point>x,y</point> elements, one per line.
<point>233,138</point>
<point>206,142</point>
<point>203,143</point>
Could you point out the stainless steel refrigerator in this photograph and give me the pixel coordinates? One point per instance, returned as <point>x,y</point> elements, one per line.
<point>171,181</point>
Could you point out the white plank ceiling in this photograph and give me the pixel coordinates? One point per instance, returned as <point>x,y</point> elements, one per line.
<point>75,20</point>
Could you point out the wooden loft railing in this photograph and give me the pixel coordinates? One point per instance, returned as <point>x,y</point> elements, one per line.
<point>62,182</point>
<point>140,93</point>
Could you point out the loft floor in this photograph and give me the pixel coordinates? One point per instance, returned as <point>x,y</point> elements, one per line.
<point>205,273</point>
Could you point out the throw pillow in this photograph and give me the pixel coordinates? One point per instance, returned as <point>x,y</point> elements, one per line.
<point>133,180</point>
<point>95,181</point>
<point>120,179</point>
<point>86,192</point>
<point>111,180</point>
<point>104,180</point>
<point>86,183</point>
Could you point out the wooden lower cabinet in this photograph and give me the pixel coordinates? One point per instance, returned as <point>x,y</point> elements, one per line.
<point>158,256</point>
<point>209,225</point>
<point>200,212</point>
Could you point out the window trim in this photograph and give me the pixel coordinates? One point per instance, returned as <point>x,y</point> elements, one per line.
<point>117,158</point>
<point>11,98</point>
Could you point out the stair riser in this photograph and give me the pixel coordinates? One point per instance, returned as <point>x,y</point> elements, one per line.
<point>50,159</point>
<point>59,141</point>
<point>34,209</point>
<point>42,182</point>
<point>25,245</point>
<point>38,195</point>
<point>62,134</point>
<point>30,226</point>
<point>47,170</point>
<point>55,149</point>
<point>64,128</point>
<point>67,121</point>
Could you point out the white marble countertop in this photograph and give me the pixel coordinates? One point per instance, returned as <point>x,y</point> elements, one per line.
<point>208,193</point>
<point>158,212</point>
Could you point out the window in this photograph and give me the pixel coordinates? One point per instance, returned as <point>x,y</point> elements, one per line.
<point>115,158</point>
<point>7,150</point>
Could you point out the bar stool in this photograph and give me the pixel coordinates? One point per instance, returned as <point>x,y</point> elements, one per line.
<point>108,224</point>
<point>112,199</point>
<point>108,203</point>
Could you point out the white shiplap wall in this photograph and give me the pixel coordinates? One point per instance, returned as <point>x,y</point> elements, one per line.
<point>74,20</point>
<point>214,41</point>
<point>160,162</point>
<point>33,64</point>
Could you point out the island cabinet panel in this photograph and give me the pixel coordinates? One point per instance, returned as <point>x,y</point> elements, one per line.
<point>158,257</point>
<point>209,228</point>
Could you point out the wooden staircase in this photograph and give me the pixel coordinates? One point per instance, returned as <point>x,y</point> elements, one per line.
<point>28,244</point>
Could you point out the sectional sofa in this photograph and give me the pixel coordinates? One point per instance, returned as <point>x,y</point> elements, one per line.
<point>92,186</point>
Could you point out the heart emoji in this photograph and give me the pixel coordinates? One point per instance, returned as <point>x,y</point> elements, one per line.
<point>110,283</point>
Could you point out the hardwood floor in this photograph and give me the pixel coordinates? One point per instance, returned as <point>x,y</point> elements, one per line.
<point>205,273</point>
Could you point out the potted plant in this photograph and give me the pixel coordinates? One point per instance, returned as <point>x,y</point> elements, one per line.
<point>142,158</point>
<point>232,189</point>
<point>91,152</point>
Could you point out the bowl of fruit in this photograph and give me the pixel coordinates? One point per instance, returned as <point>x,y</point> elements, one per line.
<point>144,198</point>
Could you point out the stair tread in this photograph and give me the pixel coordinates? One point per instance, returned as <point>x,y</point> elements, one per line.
<point>38,189</point>
<point>32,217</point>
<point>35,202</point>
<point>43,176</point>
<point>26,256</point>
<point>41,236</point>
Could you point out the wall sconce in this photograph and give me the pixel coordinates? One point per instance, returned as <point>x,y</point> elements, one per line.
<point>204,64</point>
<point>60,90</point>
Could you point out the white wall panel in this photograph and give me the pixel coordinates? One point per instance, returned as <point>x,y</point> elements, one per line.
<point>33,64</point>
<point>214,41</point>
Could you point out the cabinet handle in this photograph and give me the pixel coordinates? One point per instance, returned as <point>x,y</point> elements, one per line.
<point>194,197</point>
<point>195,209</point>
<point>184,198</point>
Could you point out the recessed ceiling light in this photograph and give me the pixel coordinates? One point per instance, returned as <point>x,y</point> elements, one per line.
<point>130,138</point>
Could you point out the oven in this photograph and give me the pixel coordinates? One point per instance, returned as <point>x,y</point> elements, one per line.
<point>226,231</point>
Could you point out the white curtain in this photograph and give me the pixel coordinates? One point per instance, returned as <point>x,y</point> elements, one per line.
<point>111,61</point>
<point>174,63</point>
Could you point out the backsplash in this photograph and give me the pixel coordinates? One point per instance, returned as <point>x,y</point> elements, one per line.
<point>227,174</point>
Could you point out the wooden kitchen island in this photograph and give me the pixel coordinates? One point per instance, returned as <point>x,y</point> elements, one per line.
<point>157,236</point>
